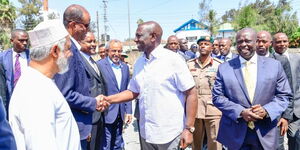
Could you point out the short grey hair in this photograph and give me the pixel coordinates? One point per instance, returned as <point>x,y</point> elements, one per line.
<point>40,53</point>
<point>107,46</point>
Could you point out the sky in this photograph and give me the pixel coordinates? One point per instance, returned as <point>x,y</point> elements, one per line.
<point>170,14</point>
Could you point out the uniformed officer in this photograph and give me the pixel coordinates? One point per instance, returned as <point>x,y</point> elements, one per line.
<point>204,71</point>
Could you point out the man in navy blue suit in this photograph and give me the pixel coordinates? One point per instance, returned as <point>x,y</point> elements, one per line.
<point>75,84</point>
<point>7,140</point>
<point>116,77</point>
<point>251,91</point>
<point>16,57</point>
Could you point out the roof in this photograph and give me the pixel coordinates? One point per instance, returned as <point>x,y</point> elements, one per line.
<point>226,27</point>
<point>191,25</point>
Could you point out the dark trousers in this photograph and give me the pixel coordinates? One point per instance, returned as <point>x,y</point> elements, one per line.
<point>112,135</point>
<point>84,144</point>
<point>294,135</point>
<point>251,141</point>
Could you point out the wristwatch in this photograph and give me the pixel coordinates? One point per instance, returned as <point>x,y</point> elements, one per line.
<point>191,129</point>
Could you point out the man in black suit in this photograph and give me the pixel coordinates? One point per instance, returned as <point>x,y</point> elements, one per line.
<point>7,140</point>
<point>97,86</point>
<point>289,121</point>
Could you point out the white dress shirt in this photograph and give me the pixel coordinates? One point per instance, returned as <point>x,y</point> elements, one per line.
<point>161,81</point>
<point>117,71</point>
<point>40,117</point>
<point>22,59</point>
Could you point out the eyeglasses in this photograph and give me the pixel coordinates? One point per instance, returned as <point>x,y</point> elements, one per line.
<point>173,43</point>
<point>85,25</point>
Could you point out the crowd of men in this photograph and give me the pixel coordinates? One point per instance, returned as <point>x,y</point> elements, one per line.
<point>60,94</point>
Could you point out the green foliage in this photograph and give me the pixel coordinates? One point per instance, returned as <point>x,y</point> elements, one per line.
<point>30,13</point>
<point>7,18</point>
<point>140,21</point>
<point>208,16</point>
<point>246,17</point>
<point>295,39</point>
<point>213,22</point>
<point>264,15</point>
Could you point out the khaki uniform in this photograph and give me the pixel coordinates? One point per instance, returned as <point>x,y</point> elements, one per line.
<point>208,116</point>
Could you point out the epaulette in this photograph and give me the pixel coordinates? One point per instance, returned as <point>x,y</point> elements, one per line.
<point>218,60</point>
<point>192,60</point>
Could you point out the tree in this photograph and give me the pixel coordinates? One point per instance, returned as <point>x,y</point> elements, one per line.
<point>213,23</point>
<point>208,16</point>
<point>140,21</point>
<point>30,13</point>
<point>229,15</point>
<point>246,17</point>
<point>295,39</point>
<point>264,15</point>
<point>7,18</point>
<point>204,8</point>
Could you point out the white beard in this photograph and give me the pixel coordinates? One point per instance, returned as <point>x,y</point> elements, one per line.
<point>62,63</point>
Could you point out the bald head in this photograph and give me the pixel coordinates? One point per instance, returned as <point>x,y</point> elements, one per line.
<point>153,27</point>
<point>148,36</point>
<point>224,45</point>
<point>263,43</point>
<point>173,43</point>
<point>280,42</point>
<point>246,42</point>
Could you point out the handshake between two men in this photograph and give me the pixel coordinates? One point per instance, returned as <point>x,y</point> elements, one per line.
<point>102,104</point>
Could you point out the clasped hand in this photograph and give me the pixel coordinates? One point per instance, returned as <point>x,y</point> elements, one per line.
<point>256,112</point>
<point>102,104</point>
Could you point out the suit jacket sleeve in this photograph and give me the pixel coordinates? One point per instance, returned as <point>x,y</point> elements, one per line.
<point>282,97</point>
<point>7,140</point>
<point>69,88</point>
<point>222,102</point>
<point>3,88</point>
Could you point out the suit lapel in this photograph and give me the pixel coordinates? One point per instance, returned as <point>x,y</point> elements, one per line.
<point>111,73</point>
<point>88,67</point>
<point>238,73</point>
<point>27,56</point>
<point>259,77</point>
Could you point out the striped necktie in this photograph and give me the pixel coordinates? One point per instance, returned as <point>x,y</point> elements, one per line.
<point>17,71</point>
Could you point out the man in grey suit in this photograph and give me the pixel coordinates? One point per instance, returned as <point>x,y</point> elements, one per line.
<point>289,121</point>
<point>97,86</point>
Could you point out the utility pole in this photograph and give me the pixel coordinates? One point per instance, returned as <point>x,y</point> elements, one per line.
<point>105,19</point>
<point>128,4</point>
<point>98,37</point>
<point>45,9</point>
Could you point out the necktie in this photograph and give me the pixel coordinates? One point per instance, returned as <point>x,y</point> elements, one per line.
<point>94,65</point>
<point>250,87</point>
<point>17,71</point>
<point>248,77</point>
